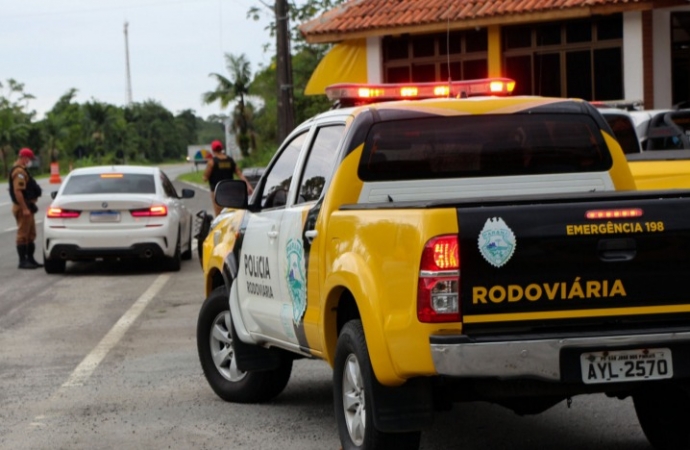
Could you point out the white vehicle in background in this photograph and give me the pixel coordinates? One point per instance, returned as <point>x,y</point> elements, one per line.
<point>117,212</point>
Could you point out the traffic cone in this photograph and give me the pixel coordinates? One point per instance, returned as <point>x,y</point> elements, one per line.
<point>55,173</point>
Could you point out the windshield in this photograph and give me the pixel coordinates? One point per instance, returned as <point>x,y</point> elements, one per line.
<point>127,183</point>
<point>481,146</point>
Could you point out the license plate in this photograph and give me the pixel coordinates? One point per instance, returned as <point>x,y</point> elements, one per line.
<point>626,365</point>
<point>105,216</point>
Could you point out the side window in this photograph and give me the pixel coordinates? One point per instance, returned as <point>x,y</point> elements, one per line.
<point>275,190</point>
<point>168,187</point>
<point>320,163</point>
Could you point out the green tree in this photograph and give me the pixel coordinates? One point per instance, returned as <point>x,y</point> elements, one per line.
<point>15,120</point>
<point>234,89</point>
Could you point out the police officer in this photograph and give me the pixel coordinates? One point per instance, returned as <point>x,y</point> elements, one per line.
<point>24,191</point>
<point>221,167</point>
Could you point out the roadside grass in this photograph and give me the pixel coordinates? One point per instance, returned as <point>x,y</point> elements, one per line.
<point>192,177</point>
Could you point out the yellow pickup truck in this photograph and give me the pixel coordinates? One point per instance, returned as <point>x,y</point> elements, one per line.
<point>465,246</point>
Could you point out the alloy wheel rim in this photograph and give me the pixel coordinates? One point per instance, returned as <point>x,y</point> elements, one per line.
<point>222,350</point>
<point>354,404</point>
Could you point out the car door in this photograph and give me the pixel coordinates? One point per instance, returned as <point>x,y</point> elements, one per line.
<point>298,243</point>
<point>265,313</point>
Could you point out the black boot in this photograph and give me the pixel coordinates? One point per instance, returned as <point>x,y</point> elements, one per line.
<point>24,262</point>
<point>31,248</point>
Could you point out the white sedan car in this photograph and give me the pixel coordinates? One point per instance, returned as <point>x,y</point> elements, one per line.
<point>117,212</point>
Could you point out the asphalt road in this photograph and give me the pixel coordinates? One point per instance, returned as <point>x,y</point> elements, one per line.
<point>104,357</point>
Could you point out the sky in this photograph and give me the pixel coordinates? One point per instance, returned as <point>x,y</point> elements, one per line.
<point>52,46</point>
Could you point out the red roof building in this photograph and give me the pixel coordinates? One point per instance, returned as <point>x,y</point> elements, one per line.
<point>607,50</point>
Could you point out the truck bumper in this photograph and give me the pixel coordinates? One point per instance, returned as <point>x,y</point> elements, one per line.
<point>539,358</point>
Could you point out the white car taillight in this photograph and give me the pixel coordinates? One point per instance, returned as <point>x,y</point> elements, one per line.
<point>154,211</point>
<point>438,291</point>
<point>59,213</point>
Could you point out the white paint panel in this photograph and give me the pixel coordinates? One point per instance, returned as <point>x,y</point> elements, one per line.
<point>633,73</point>
<point>423,190</point>
<point>374,58</point>
<point>661,22</point>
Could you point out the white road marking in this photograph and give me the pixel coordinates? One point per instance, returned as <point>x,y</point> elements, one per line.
<point>93,359</point>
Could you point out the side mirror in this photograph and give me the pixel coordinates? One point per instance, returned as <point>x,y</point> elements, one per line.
<point>53,195</point>
<point>231,194</point>
<point>188,193</point>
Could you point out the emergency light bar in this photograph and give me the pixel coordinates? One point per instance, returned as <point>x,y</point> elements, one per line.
<point>362,93</point>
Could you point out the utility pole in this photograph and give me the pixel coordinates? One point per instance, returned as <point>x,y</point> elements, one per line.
<point>128,75</point>
<point>286,119</point>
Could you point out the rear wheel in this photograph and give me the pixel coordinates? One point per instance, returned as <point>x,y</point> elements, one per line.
<point>664,414</point>
<point>353,382</point>
<point>174,263</point>
<point>187,253</point>
<point>53,266</point>
<point>214,339</point>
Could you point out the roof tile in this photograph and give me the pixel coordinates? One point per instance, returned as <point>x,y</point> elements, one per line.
<point>364,15</point>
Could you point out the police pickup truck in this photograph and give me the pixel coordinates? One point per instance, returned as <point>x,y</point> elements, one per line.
<point>474,246</point>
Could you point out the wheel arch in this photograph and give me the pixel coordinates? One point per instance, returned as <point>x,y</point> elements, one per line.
<point>353,294</point>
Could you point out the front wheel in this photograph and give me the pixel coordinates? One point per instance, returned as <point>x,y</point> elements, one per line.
<point>353,382</point>
<point>214,340</point>
<point>664,414</point>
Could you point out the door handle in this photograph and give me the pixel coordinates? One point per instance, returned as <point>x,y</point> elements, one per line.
<point>310,235</point>
<point>613,250</point>
<point>272,234</point>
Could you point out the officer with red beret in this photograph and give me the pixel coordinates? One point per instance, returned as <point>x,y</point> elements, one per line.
<point>24,191</point>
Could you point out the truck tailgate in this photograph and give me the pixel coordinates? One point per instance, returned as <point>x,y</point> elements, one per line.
<point>546,265</point>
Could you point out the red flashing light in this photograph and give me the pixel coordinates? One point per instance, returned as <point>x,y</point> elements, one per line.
<point>154,211</point>
<point>58,213</point>
<point>438,295</point>
<point>605,214</point>
<point>354,93</point>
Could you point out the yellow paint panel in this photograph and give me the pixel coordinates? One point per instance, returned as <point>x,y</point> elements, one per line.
<point>651,175</point>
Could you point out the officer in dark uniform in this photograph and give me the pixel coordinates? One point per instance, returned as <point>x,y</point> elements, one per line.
<point>24,191</point>
<point>221,167</point>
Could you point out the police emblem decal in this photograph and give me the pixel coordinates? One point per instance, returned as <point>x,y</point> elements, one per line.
<point>296,279</point>
<point>496,242</point>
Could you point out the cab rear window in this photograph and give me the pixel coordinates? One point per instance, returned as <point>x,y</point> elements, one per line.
<point>483,146</point>
<point>127,183</point>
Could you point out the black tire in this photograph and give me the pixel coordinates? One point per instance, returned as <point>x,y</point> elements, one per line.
<point>214,336</point>
<point>187,253</point>
<point>173,264</point>
<point>353,378</point>
<point>54,266</point>
<point>664,414</point>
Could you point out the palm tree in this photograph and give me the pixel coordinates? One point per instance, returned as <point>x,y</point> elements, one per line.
<point>233,89</point>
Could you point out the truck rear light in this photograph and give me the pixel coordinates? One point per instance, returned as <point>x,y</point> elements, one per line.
<point>438,289</point>
<point>154,211</point>
<point>614,213</point>
<point>59,213</point>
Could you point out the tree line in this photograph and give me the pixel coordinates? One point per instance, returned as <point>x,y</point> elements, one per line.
<point>94,132</point>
